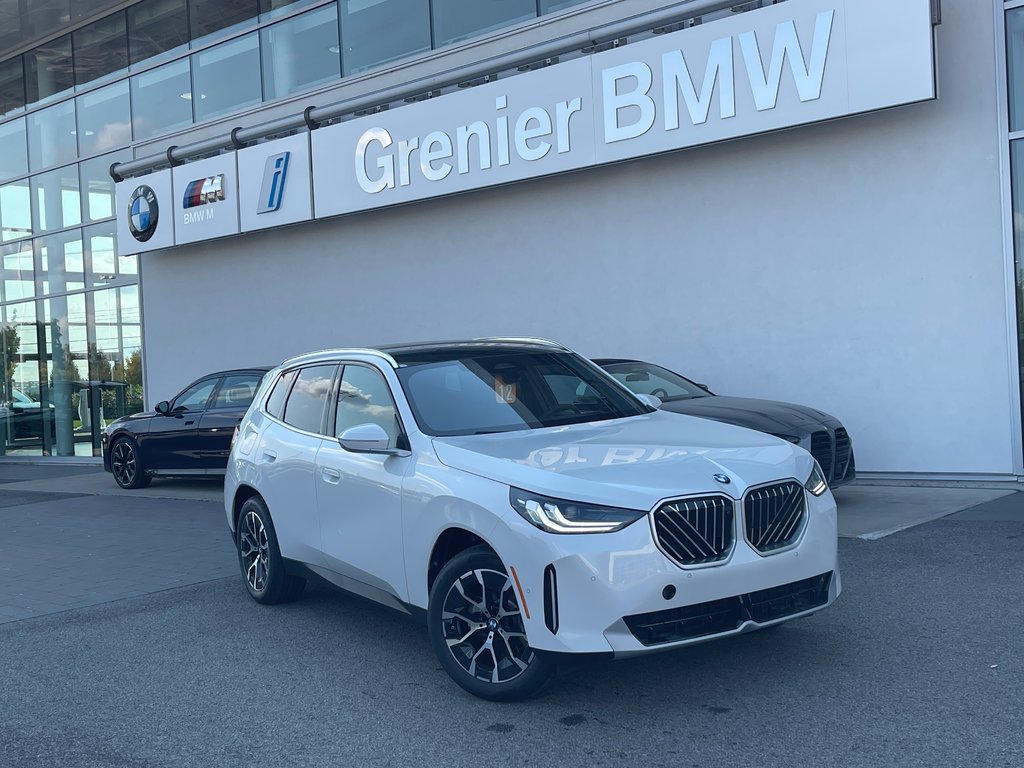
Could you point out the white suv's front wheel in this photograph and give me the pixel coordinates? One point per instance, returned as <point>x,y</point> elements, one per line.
<point>476,628</point>
<point>260,559</point>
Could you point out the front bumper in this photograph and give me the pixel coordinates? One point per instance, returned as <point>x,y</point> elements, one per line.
<point>619,593</point>
<point>105,451</point>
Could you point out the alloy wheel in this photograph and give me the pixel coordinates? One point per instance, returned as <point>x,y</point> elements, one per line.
<point>483,627</point>
<point>255,551</point>
<point>124,464</point>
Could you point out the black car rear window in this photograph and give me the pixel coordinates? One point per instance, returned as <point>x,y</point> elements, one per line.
<point>237,390</point>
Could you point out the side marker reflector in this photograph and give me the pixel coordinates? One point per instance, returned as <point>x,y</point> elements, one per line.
<point>519,587</point>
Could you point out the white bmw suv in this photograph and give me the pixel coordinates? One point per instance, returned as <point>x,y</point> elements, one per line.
<point>525,503</point>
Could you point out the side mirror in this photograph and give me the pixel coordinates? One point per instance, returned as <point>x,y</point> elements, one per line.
<point>365,438</point>
<point>652,400</point>
<point>702,386</point>
<point>163,407</point>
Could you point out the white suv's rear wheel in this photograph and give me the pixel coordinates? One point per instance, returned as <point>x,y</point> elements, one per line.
<point>476,628</point>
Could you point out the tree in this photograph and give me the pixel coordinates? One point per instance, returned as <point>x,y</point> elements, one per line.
<point>10,343</point>
<point>99,365</point>
<point>130,372</point>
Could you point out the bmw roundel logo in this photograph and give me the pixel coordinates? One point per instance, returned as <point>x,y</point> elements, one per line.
<point>723,479</point>
<point>143,213</point>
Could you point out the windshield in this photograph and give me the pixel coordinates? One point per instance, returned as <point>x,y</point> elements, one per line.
<point>478,391</point>
<point>647,379</point>
<point>20,397</point>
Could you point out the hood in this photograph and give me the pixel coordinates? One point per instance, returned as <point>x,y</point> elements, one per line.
<point>136,422</point>
<point>633,462</point>
<point>762,415</point>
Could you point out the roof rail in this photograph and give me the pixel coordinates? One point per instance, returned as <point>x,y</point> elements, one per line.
<point>526,340</point>
<point>324,353</point>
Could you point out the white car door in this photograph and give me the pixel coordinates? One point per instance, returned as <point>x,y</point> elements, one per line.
<point>359,495</point>
<point>285,456</point>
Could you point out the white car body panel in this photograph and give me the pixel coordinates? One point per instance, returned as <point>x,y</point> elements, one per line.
<point>378,522</point>
<point>359,498</point>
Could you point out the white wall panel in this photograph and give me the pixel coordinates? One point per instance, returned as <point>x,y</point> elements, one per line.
<point>856,266</point>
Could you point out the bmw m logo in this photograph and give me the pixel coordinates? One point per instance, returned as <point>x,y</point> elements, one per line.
<point>143,213</point>
<point>723,479</point>
<point>203,191</point>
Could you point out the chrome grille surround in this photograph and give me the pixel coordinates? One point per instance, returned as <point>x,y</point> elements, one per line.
<point>774,516</point>
<point>696,531</point>
<point>822,451</point>
<point>842,460</point>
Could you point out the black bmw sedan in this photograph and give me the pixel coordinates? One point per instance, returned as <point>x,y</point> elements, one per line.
<point>188,435</point>
<point>822,435</point>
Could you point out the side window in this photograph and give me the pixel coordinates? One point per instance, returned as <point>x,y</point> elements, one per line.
<point>237,391</point>
<point>568,390</point>
<point>195,397</point>
<point>305,407</point>
<point>275,403</point>
<point>364,398</point>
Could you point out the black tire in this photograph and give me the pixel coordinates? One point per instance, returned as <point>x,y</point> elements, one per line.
<point>125,465</point>
<point>514,670</point>
<point>259,557</point>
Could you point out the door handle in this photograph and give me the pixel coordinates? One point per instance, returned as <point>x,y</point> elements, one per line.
<point>270,456</point>
<point>193,421</point>
<point>330,475</point>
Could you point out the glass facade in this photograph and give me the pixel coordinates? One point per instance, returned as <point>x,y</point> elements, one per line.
<point>101,50</point>
<point>456,20</point>
<point>104,120</point>
<point>13,149</point>
<point>378,31</point>
<point>157,29</point>
<point>300,52</point>
<point>162,99</point>
<point>1015,100</point>
<point>48,70</point>
<point>12,86</point>
<point>70,331</point>
<point>226,78</point>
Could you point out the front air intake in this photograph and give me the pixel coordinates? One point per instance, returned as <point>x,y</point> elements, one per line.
<point>551,599</point>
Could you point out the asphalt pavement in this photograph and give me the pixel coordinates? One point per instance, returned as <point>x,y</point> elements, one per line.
<point>919,663</point>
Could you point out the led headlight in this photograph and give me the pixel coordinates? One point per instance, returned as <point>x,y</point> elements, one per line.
<point>816,483</point>
<point>561,516</point>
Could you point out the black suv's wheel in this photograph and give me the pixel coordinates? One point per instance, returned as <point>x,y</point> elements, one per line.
<point>477,629</point>
<point>260,557</point>
<point>125,465</point>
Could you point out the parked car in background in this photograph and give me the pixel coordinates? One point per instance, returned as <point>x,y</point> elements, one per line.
<point>526,504</point>
<point>185,436</point>
<point>26,416</point>
<point>820,434</point>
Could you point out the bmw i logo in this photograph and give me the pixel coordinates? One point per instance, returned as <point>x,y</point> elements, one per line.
<point>143,213</point>
<point>723,479</point>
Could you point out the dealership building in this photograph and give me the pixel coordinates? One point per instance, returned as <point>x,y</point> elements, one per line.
<point>813,201</point>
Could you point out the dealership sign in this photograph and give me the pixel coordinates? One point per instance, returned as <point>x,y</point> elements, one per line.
<point>795,63</point>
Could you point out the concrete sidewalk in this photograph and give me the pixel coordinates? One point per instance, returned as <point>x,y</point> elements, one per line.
<point>874,511</point>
